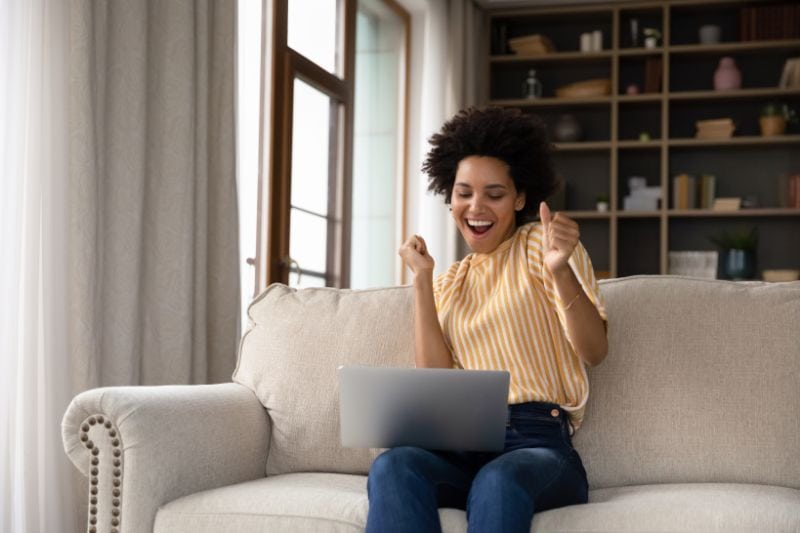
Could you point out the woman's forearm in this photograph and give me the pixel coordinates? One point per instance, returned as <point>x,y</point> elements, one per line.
<point>584,324</point>
<point>430,350</point>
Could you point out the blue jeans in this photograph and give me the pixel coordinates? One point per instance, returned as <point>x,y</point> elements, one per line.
<point>537,470</point>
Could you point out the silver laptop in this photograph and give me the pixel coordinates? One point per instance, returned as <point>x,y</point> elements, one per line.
<point>433,408</point>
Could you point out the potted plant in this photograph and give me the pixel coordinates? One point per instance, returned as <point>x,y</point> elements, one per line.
<point>602,203</point>
<point>773,119</point>
<point>737,253</point>
<point>651,37</point>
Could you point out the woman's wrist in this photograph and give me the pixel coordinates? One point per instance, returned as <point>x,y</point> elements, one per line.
<point>423,278</point>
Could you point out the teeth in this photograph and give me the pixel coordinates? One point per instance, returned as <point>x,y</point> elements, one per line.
<point>479,222</point>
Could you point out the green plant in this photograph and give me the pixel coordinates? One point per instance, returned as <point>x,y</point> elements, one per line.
<point>741,239</point>
<point>602,198</point>
<point>652,32</point>
<point>773,109</point>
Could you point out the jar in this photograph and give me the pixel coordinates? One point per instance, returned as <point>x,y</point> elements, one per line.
<point>532,87</point>
<point>727,76</point>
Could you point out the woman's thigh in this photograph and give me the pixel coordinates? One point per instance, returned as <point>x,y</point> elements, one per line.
<point>448,473</point>
<point>551,477</point>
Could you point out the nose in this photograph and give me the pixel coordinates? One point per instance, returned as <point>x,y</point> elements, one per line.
<point>476,202</point>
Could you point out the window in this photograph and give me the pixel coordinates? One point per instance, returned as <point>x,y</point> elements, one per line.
<point>379,144</point>
<point>322,218</point>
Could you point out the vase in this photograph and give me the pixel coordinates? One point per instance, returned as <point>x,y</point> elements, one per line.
<point>772,125</point>
<point>727,76</point>
<point>738,264</point>
<point>567,129</point>
<point>710,34</point>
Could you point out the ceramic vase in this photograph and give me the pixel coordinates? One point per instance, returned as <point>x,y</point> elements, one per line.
<point>727,76</point>
<point>772,125</point>
<point>738,264</point>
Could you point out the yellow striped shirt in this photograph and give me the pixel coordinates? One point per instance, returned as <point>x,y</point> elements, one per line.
<point>501,311</point>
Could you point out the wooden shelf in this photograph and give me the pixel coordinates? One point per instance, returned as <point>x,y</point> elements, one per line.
<point>552,101</point>
<point>734,47</point>
<point>628,52</point>
<point>735,141</point>
<point>634,144</point>
<point>751,212</point>
<point>639,98</point>
<point>599,215</point>
<point>638,214</point>
<point>733,94</point>
<point>638,242</point>
<point>582,146</point>
<point>555,57</point>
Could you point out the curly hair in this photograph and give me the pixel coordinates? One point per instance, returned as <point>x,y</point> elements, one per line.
<point>519,140</point>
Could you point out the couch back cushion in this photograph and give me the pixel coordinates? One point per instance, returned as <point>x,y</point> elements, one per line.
<point>289,357</point>
<point>701,384</point>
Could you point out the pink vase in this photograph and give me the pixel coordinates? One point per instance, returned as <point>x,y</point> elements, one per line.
<point>727,77</point>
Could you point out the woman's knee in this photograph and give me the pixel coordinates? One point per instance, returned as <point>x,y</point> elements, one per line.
<point>397,463</point>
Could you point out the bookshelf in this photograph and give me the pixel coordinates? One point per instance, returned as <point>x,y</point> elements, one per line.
<point>625,242</point>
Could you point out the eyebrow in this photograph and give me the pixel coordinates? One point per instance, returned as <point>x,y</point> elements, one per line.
<point>492,186</point>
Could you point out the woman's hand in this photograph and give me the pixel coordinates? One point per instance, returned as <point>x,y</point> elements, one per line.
<point>559,238</point>
<point>415,254</point>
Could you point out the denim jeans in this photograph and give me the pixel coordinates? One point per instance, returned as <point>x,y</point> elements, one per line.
<point>537,470</point>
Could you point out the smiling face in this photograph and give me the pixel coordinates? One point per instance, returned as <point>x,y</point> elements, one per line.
<point>484,202</point>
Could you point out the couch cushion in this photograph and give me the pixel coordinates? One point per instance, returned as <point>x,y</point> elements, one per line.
<point>705,507</point>
<point>284,503</point>
<point>701,384</point>
<point>289,356</point>
<point>338,503</point>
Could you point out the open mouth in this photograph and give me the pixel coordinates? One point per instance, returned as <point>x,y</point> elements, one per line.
<point>479,227</point>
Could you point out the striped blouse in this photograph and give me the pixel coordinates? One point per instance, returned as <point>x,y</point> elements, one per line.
<point>501,311</point>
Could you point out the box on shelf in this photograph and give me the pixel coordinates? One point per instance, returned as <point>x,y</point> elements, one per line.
<point>720,128</point>
<point>727,204</point>
<point>789,274</point>
<point>701,264</point>
<point>642,199</point>
<point>585,88</point>
<point>531,45</point>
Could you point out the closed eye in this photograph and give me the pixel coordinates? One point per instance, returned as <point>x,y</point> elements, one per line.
<point>462,195</point>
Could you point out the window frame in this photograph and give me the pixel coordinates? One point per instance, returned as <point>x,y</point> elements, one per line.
<point>281,65</point>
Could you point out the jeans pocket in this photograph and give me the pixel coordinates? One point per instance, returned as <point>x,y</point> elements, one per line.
<point>529,425</point>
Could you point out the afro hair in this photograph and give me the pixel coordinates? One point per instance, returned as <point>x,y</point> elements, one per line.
<point>519,140</point>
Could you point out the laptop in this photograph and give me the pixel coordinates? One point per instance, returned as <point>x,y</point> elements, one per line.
<point>433,408</point>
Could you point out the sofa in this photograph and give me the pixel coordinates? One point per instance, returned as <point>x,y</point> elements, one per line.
<point>693,421</point>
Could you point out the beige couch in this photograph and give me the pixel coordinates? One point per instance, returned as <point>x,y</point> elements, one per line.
<point>693,422</point>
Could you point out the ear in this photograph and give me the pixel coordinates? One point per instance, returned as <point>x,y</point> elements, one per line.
<point>520,201</point>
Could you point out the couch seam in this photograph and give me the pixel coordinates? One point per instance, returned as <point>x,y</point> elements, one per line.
<point>182,513</point>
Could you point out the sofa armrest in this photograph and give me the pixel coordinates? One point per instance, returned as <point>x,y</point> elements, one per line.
<point>142,447</point>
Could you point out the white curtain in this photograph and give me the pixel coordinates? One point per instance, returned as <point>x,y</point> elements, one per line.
<point>35,475</point>
<point>448,52</point>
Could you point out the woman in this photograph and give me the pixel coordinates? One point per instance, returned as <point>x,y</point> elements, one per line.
<point>525,300</point>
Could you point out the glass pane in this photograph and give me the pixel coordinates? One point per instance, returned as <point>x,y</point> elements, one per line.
<point>312,31</point>
<point>311,163</point>
<point>308,237</point>
<point>305,280</point>
<point>377,145</point>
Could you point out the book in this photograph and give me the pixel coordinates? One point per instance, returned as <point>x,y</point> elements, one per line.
<point>794,191</point>
<point>652,75</point>
<point>684,195</point>
<point>707,191</point>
